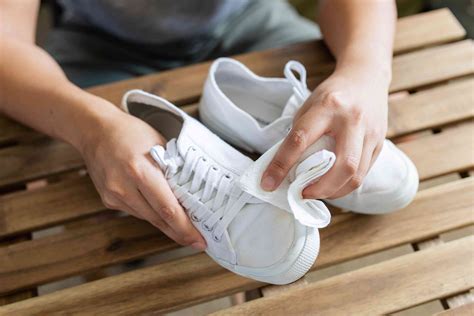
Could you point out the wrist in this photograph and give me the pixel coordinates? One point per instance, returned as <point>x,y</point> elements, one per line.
<point>374,61</point>
<point>89,114</point>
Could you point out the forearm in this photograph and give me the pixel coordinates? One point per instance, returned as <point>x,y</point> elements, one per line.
<point>35,91</point>
<point>360,32</point>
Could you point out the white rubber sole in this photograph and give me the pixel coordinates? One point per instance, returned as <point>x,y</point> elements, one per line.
<point>286,271</point>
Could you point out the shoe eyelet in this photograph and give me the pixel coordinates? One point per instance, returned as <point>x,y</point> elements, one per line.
<point>228,176</point>
<point>216,239</point>
<point>194,218</point>
<point>192,148</point>
<point>214,168</point>
<point>204,159</point>
<point>206,227</point>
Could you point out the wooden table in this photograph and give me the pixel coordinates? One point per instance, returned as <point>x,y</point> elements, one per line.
<point>431,113</point>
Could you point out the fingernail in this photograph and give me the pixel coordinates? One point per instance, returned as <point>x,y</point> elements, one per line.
<point>198,245</point>
<point>268,183</point>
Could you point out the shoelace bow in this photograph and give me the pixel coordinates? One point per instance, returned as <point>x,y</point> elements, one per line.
<point>199,185</point>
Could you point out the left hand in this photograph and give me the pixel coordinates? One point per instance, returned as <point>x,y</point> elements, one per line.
<point>351,106</point>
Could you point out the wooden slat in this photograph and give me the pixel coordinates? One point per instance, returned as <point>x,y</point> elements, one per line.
<point>134,292</point>
<point>431,108</point>
<point>414,223</point>
<point>18,295</point>
<point>449,151</point>
<point>11,130</point>
<point>47,206</point>
<point>37,159</point>
<point>79,250</point>
<point>430,28</point>
<point>396,284</point>
<point>446,152</point>
<point>432,65</point>
<point>187,281</point>
<point>184,85</point>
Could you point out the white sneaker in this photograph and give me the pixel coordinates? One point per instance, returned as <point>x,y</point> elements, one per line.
<point>244,234</point>
<point>255,113</point>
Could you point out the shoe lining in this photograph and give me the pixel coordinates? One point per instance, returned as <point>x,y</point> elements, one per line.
<point>262,100</point>
<point>168,124</point>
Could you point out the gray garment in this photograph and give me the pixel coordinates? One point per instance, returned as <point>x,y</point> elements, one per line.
<point>90,56</point>
<point>151,21</point>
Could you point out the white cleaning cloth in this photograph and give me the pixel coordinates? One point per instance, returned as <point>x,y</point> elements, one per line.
<point>288,195</point>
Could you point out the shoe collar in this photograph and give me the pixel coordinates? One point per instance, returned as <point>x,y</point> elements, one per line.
<point>300,91</point>
<point>194,134</point>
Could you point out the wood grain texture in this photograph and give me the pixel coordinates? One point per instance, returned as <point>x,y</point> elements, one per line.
<point>395,284</point>
<point>79,250</point>
<point>433,107</point>
<point>53,204</point>
<point>428,66</point>
<point>37,159</point>
<point>449,151</point>
<point>11,130</point>
<point>20,295</point>
<point>426,29</point>
<point>184,85</point>
<point>356,235</point>
<point>191,280</point>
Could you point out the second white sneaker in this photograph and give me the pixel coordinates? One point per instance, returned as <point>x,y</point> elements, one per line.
<point>255,113</point>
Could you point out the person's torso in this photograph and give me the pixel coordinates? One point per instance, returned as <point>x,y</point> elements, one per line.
<point>151,21</point>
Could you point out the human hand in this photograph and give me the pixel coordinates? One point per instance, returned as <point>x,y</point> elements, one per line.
<point>117,159</point>
<point>350,106</point>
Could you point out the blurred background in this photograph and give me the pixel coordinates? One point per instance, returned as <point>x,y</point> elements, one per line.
<point>463,9</point>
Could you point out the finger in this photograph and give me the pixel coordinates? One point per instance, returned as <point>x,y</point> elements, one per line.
<point>348,154</point>
<point>304,133</point>
<point>304,108</point>
<point>116,204</point>
<point>364,165</point>
<point>132,212</point>
<point>138,203</point>
<point>158,194</point>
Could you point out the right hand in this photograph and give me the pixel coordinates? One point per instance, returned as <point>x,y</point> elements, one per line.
<point>116,153</point>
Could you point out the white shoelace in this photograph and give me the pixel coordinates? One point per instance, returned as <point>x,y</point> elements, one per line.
<point>199,185</point>
<point>300,88</point>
